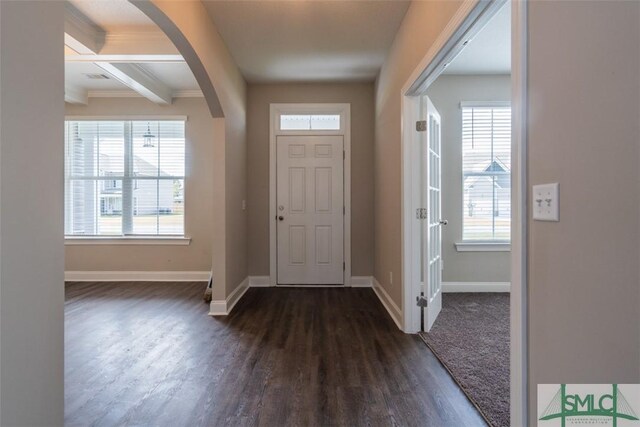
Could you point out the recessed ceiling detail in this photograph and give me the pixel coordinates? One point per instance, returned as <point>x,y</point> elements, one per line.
<point>308,41</point>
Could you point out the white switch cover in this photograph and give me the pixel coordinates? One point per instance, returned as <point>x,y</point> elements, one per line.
<point>546,204</point>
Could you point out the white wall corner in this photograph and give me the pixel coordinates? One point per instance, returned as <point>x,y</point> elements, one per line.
<point>136,276</point>
<point>361,281</point>
<point>259,281</point>
<point>224,307</point>
<point>392,308</point>
<point>450,287</point>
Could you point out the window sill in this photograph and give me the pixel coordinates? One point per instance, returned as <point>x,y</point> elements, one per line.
<point>136,240</point>
<point>483,246</point>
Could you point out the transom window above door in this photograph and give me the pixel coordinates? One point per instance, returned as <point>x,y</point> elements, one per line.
<point>124,177</point>
<point>310,122</point>
<point>303,119</point>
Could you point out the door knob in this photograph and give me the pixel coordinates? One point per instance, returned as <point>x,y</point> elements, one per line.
<point>280,218</point>
<point>444,222</point>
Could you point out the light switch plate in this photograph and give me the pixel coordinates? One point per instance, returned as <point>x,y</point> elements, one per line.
<point>546,203</point>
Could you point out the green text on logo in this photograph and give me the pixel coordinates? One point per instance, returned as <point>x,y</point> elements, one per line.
<point>563,406</point>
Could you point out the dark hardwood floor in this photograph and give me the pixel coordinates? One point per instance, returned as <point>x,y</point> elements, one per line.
<point>147,354</point>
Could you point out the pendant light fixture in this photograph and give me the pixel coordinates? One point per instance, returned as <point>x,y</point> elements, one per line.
<point>148,138</point>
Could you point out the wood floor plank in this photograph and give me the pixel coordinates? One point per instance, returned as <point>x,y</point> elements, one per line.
<point>147,353</point>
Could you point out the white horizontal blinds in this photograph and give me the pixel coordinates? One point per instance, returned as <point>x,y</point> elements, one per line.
<point>310,122</point>
<point>486,165</point>
<point>124,178</point>
<point>94,168</point>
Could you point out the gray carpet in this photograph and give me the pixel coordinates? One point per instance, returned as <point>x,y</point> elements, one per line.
<point>471,339</point>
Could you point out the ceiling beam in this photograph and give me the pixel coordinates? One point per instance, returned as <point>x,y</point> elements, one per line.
<point>76,95</point>
<point>140,80</point>
<point>80,33</point>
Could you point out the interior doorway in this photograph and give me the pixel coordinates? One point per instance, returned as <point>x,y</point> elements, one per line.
<point>487,191</point>
<point>310,195</point>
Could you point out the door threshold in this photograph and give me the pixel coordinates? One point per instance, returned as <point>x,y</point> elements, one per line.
<point>311,286</point>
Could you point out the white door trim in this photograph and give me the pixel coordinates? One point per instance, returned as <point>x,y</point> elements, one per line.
<point>275,110</point>
<point>470,18</point>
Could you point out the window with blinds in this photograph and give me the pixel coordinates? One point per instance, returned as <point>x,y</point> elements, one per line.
<point>124,178</point>
<point>486,166</point>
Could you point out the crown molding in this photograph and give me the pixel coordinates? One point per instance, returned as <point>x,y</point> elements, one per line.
<point>190,93</point>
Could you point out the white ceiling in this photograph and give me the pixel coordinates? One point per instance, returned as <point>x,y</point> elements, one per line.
<point>75,75</point>
<point>114,14</point>
<point>176,75</point>
<point>276,41</point>
<point>490,50</point>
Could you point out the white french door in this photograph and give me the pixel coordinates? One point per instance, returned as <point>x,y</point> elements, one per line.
<point>310,210</point>
<point>432,222</point>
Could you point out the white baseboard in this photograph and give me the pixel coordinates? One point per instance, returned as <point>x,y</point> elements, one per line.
<point>361,281</point>
<point>392,308</point>
<point>449,287</point>
<point>224,307</point>
<point>136,276</point>
<point>356,282</point>
<point>259,281</point>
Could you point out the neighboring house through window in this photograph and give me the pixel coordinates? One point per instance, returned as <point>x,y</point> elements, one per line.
<point>124,178</point>
<point>486,166</point>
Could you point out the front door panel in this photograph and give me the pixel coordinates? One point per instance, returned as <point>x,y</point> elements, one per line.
<point>310,215</point>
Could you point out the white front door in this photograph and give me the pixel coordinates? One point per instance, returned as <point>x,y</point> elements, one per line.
<point>310,210</point>
<point>433,222</point>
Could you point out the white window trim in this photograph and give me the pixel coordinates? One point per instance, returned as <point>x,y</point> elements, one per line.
<point>128,240</point>
<point>483,246</point>
<point>485,104</point>
<point>310,109</point>
<point>131,118</point>
<point>488,245</point>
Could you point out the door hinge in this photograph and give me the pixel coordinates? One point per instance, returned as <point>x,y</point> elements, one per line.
<point>421,126</point>
<point>344,210</point>
<point>344,154</point>
<point>344,266</point>
<point>421,213</point>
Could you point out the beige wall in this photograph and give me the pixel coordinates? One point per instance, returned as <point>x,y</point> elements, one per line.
<point>360,96</point>
<point>584,132</point>
<point>31,221</point>
<point>190,28</point>
<point>422,24</point>
<point>446,94</point>
<point>198,193</point>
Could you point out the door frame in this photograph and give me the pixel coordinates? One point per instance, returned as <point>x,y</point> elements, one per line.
<point>277,109</point>
<point>466,23</point>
